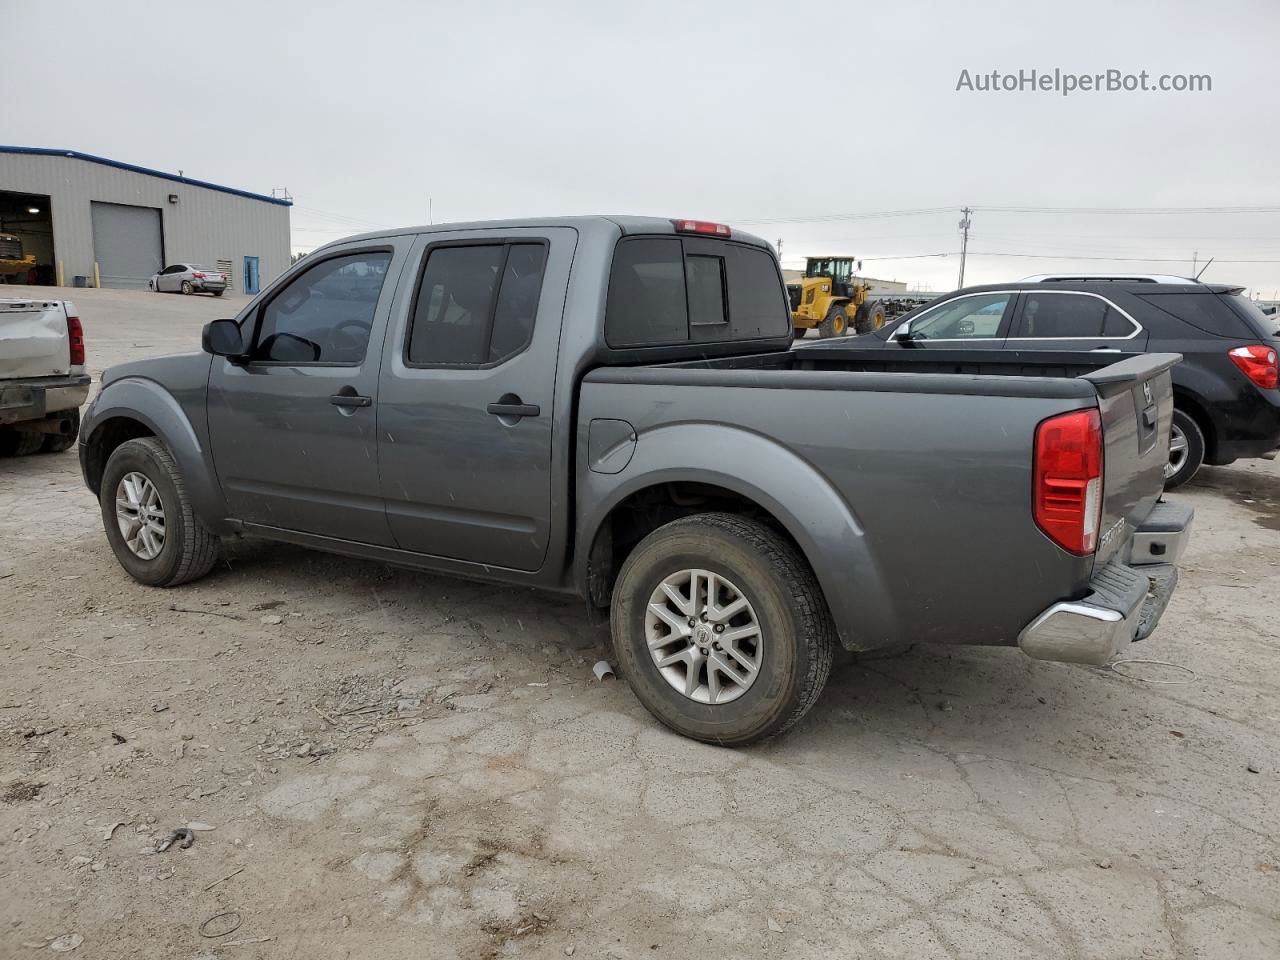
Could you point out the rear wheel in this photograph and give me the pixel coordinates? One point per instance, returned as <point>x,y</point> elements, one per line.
<point>720,628</point>
<point>216,293</point>
<point>870,317</point>
<point>148,517</point>
<point>19,443</point>
<point>1186,450</point>
<point>836,323</point>
<point>58,442</point>
<point>186,287</point>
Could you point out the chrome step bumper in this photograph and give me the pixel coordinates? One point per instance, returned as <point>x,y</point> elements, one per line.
<point>1126,599</point>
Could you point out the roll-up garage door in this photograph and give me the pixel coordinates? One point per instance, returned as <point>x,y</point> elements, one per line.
<point>126,243</point>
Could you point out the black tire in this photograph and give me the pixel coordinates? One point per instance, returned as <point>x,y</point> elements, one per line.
<point>869,318</point>
<point>189,550</point>
<point>19,443</point>
<point>187,288</point>
<point>799,640</point>
<point>216,293</point>
<point>61,442</point>
<point>835,324</point>
<point>1186,425</point>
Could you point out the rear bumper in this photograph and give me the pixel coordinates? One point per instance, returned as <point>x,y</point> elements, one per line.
<point>1126,600</point>
<point>37,397</point>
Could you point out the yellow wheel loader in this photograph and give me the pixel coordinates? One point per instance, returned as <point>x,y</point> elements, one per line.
<point>832,299</point>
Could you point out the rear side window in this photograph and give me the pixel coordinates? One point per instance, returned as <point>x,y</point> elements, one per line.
<point>1065,316</point>
<point>665,291</point>
<point>476,304</point>
<point>1204,311</point>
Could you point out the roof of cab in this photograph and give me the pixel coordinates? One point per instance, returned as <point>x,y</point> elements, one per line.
<point>630,226</point>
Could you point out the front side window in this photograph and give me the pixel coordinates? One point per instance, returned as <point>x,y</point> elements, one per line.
<point>325,314</point>
<point>476,304</point>
<point>965,318</point>
<point>1065,316</point>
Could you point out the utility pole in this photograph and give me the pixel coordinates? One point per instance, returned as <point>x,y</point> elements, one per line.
<point>779,249</point>
<point>964,241</point>
<point>431,219</point>
<point>1195,257</point>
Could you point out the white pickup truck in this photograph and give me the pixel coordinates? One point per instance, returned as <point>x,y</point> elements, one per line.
<point>42,376</point>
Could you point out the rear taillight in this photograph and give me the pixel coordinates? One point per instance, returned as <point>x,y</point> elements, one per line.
<point>198,275</point>
<point>1258,363</point>
<point>701,226</point>
<point>1067,497</point>
<point>75,337</point>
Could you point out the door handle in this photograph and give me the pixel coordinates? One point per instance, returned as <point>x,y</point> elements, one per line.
<point>512,407</point>
<point>1105,350</point>
<point>350,400</point>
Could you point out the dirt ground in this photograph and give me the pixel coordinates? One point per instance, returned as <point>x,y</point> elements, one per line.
<point>383,764</point>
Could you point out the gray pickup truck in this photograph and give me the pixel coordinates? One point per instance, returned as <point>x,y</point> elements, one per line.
<point>613,407</point>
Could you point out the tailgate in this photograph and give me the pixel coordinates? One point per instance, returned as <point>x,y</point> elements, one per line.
<point>1135,398</point>
<point>33,339</point>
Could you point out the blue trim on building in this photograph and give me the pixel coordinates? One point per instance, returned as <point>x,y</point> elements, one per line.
<point>133,168</point>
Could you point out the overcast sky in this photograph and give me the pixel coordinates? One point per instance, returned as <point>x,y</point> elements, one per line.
<point>385,113</point>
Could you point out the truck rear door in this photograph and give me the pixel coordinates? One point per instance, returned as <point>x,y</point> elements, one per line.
<point>468,387</point>
<point>33,339</point>
<point>1135,400</point>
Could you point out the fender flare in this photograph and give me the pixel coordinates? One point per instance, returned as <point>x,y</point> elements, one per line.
<point>798,496</point>
<point>144,400</point>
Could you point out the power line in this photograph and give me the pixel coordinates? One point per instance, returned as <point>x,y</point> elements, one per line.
<point>984,208</point>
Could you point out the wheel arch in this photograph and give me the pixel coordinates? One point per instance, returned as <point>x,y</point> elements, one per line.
<point>1198,410</point>
<point>135,407</point>
<point>735,471</point>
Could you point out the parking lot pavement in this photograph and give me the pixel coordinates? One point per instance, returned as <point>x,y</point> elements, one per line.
<point>401,765</point>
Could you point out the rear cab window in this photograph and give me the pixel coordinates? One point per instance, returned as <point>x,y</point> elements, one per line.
<point>666,291</point>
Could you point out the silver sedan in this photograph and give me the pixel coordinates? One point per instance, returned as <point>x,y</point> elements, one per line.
<point>188,278</point>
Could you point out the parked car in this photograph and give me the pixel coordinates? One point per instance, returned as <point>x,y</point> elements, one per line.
<point>188,278</point>
<point>42,376</point>
<point>1226,401</point>
<point>611,407</point>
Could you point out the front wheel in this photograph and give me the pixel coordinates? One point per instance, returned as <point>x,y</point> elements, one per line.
<point>1186,450</point>
<point>147,514</point>
<point>720,628</point>
<point>836,323</point>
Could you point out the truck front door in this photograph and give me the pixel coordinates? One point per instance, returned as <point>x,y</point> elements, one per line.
<point>293,429</point>
<point>468,386</point>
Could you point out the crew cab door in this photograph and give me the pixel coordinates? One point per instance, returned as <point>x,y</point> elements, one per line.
<point>1073,320</point>
<point>293,428</point>
<point>979,320</point>
<point>466,402</point>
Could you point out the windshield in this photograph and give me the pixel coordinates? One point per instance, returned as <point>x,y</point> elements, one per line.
<point>838,268</point>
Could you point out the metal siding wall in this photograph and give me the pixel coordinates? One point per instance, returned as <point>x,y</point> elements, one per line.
<point>204,226</point>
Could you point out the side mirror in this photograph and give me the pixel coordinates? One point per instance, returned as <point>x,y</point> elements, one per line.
<point>902,332</point>
<point>223,338</point>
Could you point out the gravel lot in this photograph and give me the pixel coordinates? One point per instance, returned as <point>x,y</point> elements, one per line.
<point>401,765</point>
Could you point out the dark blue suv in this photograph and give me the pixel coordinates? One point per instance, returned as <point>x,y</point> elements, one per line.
<point>1226,394</point>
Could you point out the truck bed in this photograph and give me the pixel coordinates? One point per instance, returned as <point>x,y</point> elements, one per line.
<point>932,464</point>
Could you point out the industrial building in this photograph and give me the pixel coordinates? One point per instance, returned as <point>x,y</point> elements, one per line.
<point>69,218</point>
